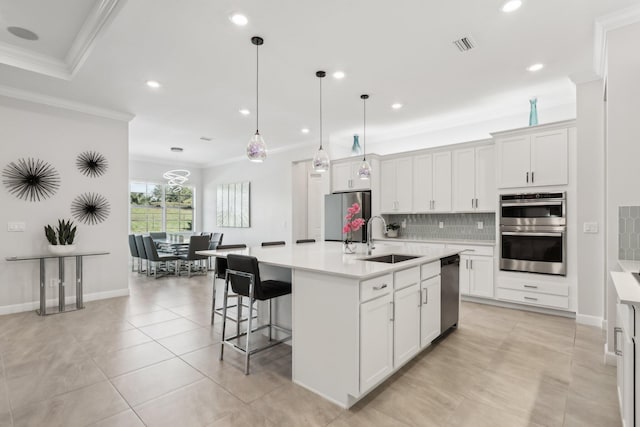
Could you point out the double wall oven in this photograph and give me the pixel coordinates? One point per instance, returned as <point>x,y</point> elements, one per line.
<point>533,233</point>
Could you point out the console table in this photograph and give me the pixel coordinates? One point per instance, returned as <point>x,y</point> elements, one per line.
<point>42,311</point>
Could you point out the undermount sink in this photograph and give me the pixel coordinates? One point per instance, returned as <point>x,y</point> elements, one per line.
<point>392,258</point>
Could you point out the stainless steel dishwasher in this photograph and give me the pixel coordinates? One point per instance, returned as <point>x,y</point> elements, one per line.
<point>449,292</point>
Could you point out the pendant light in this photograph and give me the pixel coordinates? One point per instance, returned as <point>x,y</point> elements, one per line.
<point>321,158</point>
<point>364,171</point>
<point>257,149</point>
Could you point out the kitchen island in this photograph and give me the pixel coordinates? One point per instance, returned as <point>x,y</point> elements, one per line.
<point>354,321</point>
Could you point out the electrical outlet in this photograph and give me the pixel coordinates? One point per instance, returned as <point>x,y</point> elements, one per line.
<point>16,226</point>
<point>441,224</point>
<point>480,225</point>
<point>403,224</point>
<point>590,227</point>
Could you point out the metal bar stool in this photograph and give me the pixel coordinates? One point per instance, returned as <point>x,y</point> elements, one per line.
<point>220,272</point>
<point>244,276</point>
<point>278,243</point>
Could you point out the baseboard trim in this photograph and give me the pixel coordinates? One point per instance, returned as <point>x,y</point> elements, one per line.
<point>609,357</point>
<point>515,306</point>
<point>34,305</point>
<point>585,319</point>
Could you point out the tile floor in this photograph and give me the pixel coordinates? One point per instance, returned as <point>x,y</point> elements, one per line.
<point>152,359</point>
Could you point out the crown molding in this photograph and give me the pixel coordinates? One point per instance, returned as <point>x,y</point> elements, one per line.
<point>66,104</point>
<point>603,25</point>
<point>79,51</point>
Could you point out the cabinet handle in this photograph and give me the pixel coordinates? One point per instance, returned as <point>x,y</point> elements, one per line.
<point>476,203</point>
<point>531,286</point>
<point>527,177</point>
<point>379,288</point>
<point>425,297</point>
<point>531,299</point>
<point>532,178</point>
<point>391,316</point>
<point>472,202</point>
<point>466,264</point>
<point>616,331</point>
<point>434,204</point>
<point>471,264</point>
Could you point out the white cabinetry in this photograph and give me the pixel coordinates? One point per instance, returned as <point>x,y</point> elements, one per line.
<point>396,185</point>
<point>344,177</point>
<point>533,158</point>
<point>376,340</point>
<point>624,336</point>
<point>432,182</point>
<point>430,306</point>
<point>406,323</point>
<point>476,276</point>
<point>474,182</point>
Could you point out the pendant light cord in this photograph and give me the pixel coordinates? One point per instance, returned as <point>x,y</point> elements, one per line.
<point>364,130</point>
<point>257,88</point>
<point>320,112</point>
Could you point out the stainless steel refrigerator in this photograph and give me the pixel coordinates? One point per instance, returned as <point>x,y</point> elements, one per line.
<point>335,209</point>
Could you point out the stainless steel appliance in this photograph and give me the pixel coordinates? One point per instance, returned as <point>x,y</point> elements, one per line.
<point>335,209</point>
<point>533,233</point>
<point>449,292</point>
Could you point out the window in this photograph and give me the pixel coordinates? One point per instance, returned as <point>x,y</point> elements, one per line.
<point>156,207</point>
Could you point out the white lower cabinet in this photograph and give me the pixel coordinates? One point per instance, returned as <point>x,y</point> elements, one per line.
<point>376,340</point>
<point>625,360</point>
<point>476,276</point>
<point>429,310</point>
<point>406,324</point>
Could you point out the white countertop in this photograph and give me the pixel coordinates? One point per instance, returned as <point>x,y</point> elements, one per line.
<point>327,257</point>
<point>444,242</point>
<point>627,287</point>
<point>629,266</point>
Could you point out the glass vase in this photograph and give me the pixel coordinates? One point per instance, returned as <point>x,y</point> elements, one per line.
<point>355,148</point>
<point>533,114</point>
<point>348,247</point>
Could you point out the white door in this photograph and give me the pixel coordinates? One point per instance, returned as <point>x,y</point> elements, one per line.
<point>429,311</point>
<point>376,341</point>
<point>514,162</point>
<point>464,193</point>
<point>422,183</point>
<point>315,206</point>
<point>465,275</point>
<point>481,275</point>
<point>549,151</point>
<point>486,191</point>
<point>388,186</point>
<point>406,324</point>
<point>341,177</point>
<point>357,183</point>
<point>404,185</point>
<point>442,182</point>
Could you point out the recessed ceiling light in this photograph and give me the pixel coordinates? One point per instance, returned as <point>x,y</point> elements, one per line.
<point>396,106</point>
<point>154,84</point>
<point>511,6</point>
<point>23,33</point>
<point>305,130</point>
<point>245,112</point>
<point>239,19</point>
<point>338,75</point>
<point>177,149</point>
<point>535,67</point>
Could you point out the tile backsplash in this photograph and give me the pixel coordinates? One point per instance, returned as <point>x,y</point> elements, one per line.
<point>629,232</point>
<point>462,226</point>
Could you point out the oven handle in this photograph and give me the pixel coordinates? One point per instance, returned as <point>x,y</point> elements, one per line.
<point>521,204</point>
<point>511,233</point>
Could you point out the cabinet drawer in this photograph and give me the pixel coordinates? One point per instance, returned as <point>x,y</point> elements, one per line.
<point>404,278</point>
<point>430,270</point>
<point>533,298</point>
<point>539,287</point>
<point>473,250</point>
<point>376,287</point>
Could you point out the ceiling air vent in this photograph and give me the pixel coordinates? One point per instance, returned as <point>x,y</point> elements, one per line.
<point>464,44</point>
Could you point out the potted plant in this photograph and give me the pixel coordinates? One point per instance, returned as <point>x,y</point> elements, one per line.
<point>353,224</point>
<point>392,229</point>
<point>61,239</point>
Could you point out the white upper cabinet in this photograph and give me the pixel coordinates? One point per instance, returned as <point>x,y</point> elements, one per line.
<point>533,159</point>
<point>474,183</point>
<point>344,177</point>
<point>432,182</point>
<point>396,185</point>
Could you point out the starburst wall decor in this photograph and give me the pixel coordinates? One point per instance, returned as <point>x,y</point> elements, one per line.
<point>92,164</point>
<point>31,179</point>
<point>90,208</point>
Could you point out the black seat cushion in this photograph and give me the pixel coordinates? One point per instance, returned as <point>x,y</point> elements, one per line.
<point>263,290</point>
<point>274,289</point>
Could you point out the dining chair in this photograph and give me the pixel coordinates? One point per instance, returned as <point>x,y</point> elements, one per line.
<point>196,243</point>
<point>142,256</point>
<point>133,250</point>
<point>154,260</point>
<point>243,274</point>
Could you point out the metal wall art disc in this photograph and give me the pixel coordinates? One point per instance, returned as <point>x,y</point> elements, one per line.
<point>90,208</point>
<point>92,164</point>
<point>31,179</point>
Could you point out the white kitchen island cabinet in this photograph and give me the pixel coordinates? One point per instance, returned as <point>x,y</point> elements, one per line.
<point>355,322</point>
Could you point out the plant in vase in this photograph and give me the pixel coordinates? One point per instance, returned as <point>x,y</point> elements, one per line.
<point>61,238</point>
<point>353,224</point>
<point>392,229</point>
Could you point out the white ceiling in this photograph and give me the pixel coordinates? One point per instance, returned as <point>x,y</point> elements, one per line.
<point>398,51</point>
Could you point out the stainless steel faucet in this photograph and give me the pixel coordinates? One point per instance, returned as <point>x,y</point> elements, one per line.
<point>370,246</point>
